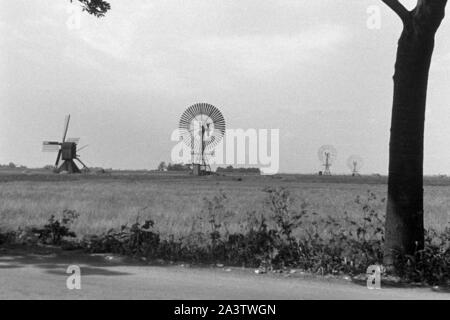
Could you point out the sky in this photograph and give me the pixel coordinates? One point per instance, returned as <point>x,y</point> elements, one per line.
<point>312,69</point>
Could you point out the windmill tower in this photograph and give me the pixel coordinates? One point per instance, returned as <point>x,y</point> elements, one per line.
<point>202,127</point>
<point>327,155</point>
<point>355,163</point>
<point>67,151</point>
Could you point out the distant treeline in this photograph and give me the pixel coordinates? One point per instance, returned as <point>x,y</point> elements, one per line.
<point>187,167</point>
<point>230,169</point>
<point>174,167</point>
<point>12,165</point>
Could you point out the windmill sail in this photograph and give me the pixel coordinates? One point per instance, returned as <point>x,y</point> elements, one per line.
<point>50,146</point>
<point>66,127</point>
<point>74,140</point>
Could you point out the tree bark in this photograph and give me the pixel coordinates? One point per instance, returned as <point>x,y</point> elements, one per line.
<point>404,215</point>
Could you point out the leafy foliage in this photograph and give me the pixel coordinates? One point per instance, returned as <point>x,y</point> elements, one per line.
<point>97,8</point>
<point>431,263</point>
<point>55,230</point>
<point>135,240</point>
<point>4,237</point>
<point>286,236</point>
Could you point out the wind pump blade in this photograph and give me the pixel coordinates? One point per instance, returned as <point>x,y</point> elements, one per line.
<point>66,127</point>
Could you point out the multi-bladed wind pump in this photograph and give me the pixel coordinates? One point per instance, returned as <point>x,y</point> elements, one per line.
<point>67,151</point>
<point>355,163</point>
<point>201,127</point>
<point>327,155</point>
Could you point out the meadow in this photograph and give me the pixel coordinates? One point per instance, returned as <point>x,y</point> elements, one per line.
<point>176,201</point>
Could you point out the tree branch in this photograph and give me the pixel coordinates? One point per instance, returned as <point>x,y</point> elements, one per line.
<point>97,8</point>
<point>399,9</point>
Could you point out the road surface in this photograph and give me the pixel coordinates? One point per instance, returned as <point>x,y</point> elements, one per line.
<point>25,275</point>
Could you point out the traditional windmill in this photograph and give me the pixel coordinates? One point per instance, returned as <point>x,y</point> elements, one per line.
<point>67,151</point>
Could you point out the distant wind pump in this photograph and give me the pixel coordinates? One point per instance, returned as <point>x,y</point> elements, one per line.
<point>201,127</point>
<point>355,163</point>
<point>327,155</point>
<point>67,151</point>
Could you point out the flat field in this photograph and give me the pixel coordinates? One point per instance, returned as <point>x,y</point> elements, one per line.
<point>174,201</point>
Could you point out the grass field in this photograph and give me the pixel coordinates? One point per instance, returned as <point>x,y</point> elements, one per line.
<point>108,201</point>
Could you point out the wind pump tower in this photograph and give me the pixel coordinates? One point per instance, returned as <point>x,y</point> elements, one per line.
<point>327,155</point>
<point>67,151</point>
<point>201,128</point>
<point>355,163</point>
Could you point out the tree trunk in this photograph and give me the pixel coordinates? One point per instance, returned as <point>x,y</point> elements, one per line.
<point>404,216</point>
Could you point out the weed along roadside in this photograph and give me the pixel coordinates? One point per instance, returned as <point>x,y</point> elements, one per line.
<point>286,237</point>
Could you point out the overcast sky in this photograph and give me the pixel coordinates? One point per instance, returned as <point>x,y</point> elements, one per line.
<point>309,68</point>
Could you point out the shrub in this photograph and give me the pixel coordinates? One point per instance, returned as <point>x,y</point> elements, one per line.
<point>3,237</point>
<point>136,240</point>
<point>431,264</point>
<point>55,230</point>
<point>283,237</point>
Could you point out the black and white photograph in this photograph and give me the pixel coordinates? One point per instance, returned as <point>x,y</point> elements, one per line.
<point>219,157</point>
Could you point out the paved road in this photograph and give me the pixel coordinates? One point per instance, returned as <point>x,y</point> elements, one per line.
<point>43,276</point>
